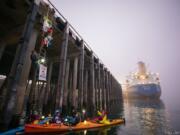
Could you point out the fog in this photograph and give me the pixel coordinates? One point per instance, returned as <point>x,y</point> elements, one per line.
<point>123,32</point>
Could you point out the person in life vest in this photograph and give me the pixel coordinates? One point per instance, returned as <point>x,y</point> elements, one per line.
<point>76,116</point>
<point>102,117</point>
<point>34,117</point>
<point>46,120</point>
<point>57,117</point>
<point>72,120</point>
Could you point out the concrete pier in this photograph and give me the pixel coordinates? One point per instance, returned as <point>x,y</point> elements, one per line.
<point>71,76</point>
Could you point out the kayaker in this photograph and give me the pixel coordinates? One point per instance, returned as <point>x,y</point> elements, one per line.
<point>102,117</point>
<point>83,115</point>
<point>34,117</point>
<point>72,120</point>
<point>76,117</point>
<point>101,114</point>
<point>46,120</point>
<point>57,117</point>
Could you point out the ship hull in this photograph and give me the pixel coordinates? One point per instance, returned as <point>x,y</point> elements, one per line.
<point>152,91</point>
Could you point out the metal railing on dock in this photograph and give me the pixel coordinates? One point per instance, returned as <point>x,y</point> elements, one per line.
<point>72,28</point>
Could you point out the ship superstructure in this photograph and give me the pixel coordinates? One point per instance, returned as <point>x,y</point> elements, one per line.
<point>143,83</point>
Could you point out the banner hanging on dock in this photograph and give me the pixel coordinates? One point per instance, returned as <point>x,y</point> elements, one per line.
<point>42,72</point>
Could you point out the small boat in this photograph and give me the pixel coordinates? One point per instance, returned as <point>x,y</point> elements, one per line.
<point>143,84</point>
<point>60,128</point>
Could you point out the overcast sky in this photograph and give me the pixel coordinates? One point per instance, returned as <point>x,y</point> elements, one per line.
<point>122,32</point>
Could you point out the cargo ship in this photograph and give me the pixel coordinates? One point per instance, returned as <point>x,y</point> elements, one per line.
<point>143,84</point>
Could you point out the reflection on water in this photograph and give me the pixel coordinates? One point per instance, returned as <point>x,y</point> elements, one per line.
<point>101,131</point>
<point>143,117</point>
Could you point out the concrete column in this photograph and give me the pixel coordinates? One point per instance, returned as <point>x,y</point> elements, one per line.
<point>91,92</point>
<point>105,88</point>
<point>37,93</point>
<point>99,85</point>
<point>48,86</point>
<point>101,88</point>
<point>111,90</point>
<point>66,90</point>
<point>108,90</point>
<point>32,92</point>
<point>96,86</point>
<point>41,96</point>
<point>19,64</point>
<point>74,98</point>
<point>2,83</point>
<point>62,68</point>
<point>81,76</point>
<point>70,95</point>
<point>21,87</point>
<point>114,92</point>
<point>2,48</point>
<point>121,95</point>
<point>85,95</point>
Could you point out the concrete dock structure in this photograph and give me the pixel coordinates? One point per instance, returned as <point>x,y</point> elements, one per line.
<point>64,75</point>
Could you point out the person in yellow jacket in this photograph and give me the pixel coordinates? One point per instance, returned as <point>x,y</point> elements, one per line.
<point>103,117</point>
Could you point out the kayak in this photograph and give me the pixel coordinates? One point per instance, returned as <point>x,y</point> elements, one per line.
<point>60,128</point>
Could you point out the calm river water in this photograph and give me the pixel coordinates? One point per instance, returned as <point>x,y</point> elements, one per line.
<point>143,117</point>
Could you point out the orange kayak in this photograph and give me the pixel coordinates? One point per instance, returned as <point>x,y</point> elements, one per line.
<point>33,128</point>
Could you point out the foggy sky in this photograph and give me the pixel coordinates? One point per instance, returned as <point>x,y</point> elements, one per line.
<point>122,32</point>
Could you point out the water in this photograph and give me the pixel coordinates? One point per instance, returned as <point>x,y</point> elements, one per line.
<point>144,117</point>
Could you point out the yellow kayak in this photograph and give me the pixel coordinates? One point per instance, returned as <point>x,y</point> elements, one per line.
<point>47,128</point>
